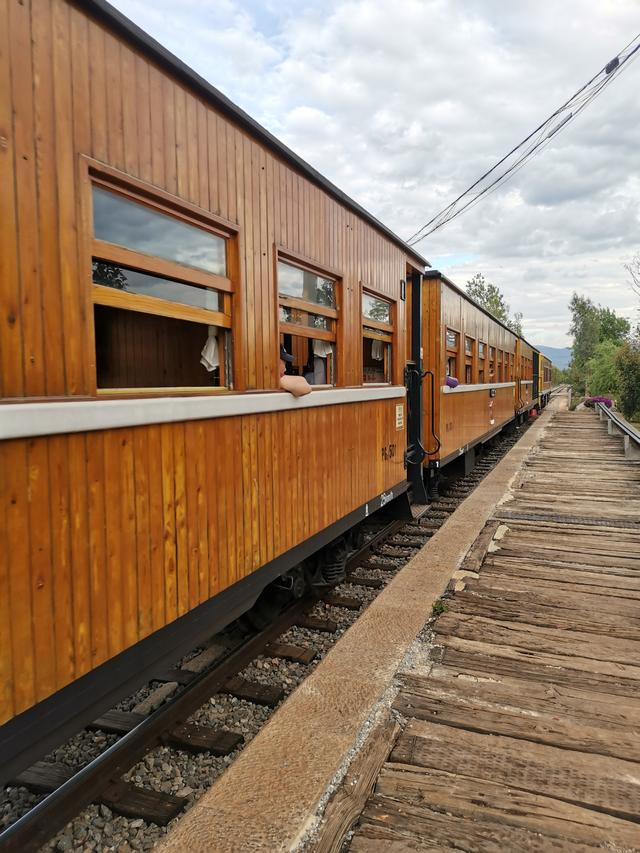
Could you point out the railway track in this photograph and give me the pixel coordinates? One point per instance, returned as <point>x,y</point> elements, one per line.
<point>114,780</point>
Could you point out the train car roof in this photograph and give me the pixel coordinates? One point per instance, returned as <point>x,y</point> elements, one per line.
<point>437,274</point>
<point>104,11</point>
<point>452,284</point>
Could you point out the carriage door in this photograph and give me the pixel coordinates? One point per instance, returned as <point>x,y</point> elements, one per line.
<point>536,375</point>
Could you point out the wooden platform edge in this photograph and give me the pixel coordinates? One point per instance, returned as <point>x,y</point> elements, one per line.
<point>348,800</point>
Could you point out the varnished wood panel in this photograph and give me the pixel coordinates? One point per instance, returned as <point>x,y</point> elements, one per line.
<point>461,418</point>
<point>113,534</point>
<point>464,417</point>
<point>71,88</point>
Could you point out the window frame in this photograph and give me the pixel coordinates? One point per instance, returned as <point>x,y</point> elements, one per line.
<point>292,259</point>
<point>94,173</point>
<point>376,330</point>
<point>451,352</point>
<point>470,359</point>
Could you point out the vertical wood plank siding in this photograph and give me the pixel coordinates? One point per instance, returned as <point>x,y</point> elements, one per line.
<point>110,535</point>
<point>74,88</point>
<point>113,534</point>
<point>461,419</point>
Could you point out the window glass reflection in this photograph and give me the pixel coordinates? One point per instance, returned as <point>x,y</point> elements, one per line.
<point>303,318</point>
<point>132,281</point>
<point>294,281</point>
<point>376,309</point>
<point>119,220</point>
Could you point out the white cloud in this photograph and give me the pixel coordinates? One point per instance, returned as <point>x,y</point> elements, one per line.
<point>404,104</point>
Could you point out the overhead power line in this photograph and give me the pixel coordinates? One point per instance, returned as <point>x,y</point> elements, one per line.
<point>532,145</point>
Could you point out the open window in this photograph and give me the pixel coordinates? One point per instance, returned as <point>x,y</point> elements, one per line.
<point>308,318</point>
<point>377,339</point>
<point>161,293</point>
<point>452,344</point>
<point>492,364</point>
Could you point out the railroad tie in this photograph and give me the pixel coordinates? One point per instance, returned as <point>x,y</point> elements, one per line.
<point>124,798</point>
<point>253,691</point>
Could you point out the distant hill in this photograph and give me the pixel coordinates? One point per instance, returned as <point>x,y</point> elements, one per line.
<point>560,356</point>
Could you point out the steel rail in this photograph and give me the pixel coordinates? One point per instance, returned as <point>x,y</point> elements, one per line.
<point>32,830</point>
<point>52,813</point>
<point>619,425</point>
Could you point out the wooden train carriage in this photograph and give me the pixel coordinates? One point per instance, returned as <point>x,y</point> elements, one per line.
<point>526,379</point>
<point>157,248</point>
<point>463,341</point>
<point>546,379</point>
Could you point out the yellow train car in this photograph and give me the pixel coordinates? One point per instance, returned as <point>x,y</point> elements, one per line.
<point>158,248</point>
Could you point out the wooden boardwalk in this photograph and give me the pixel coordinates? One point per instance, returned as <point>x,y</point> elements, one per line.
<point>525,733</point>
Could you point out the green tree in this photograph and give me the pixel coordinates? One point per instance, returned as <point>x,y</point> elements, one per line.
<point>489,296</point>
<point>602,372</point>
<point>612,327</point>
<point>628,366</point>
<point>585,328</point>
<point>591,325</point>
<point>492,299</point>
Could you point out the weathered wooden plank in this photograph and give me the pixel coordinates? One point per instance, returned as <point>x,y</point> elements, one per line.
<point>348,801</point>
<point>476,554</point>
<point>588,597</point>
<point>601,782</point>
<point>524,608</point>
<point>562,642</point>
<point>194,738</point>
<point>131,801</point>
<point>468,798</point>
<point>396,827</point>
<point>348,602</point>
<point>286,651</point>
<point>312,623</point>
<point>552,554</point>
<point>566,701</point>
<point>470,658</point>
<point>509,719</point>
<point>253,691</point>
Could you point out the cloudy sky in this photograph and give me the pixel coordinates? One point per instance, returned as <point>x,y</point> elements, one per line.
<point>404,104</point>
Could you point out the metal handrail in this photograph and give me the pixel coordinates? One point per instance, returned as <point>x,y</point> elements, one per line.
<point>619,425</point>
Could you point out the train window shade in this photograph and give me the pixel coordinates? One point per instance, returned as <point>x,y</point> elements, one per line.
<point>377,339</point>
<point>308,316</point>
<point>161,295</point>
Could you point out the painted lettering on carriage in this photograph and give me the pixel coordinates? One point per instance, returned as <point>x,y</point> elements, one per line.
<point>388,452</point>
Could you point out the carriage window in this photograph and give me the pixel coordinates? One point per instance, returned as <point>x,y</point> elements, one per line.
<point>469,359</point>
<point>162,304</point>
<point>499,365</point>
<point>377,339</point>
<point>120,220</point>
<point>308,318</point>
<point>492,364</point>
<point>481,360</point>
<point>451,362</point>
